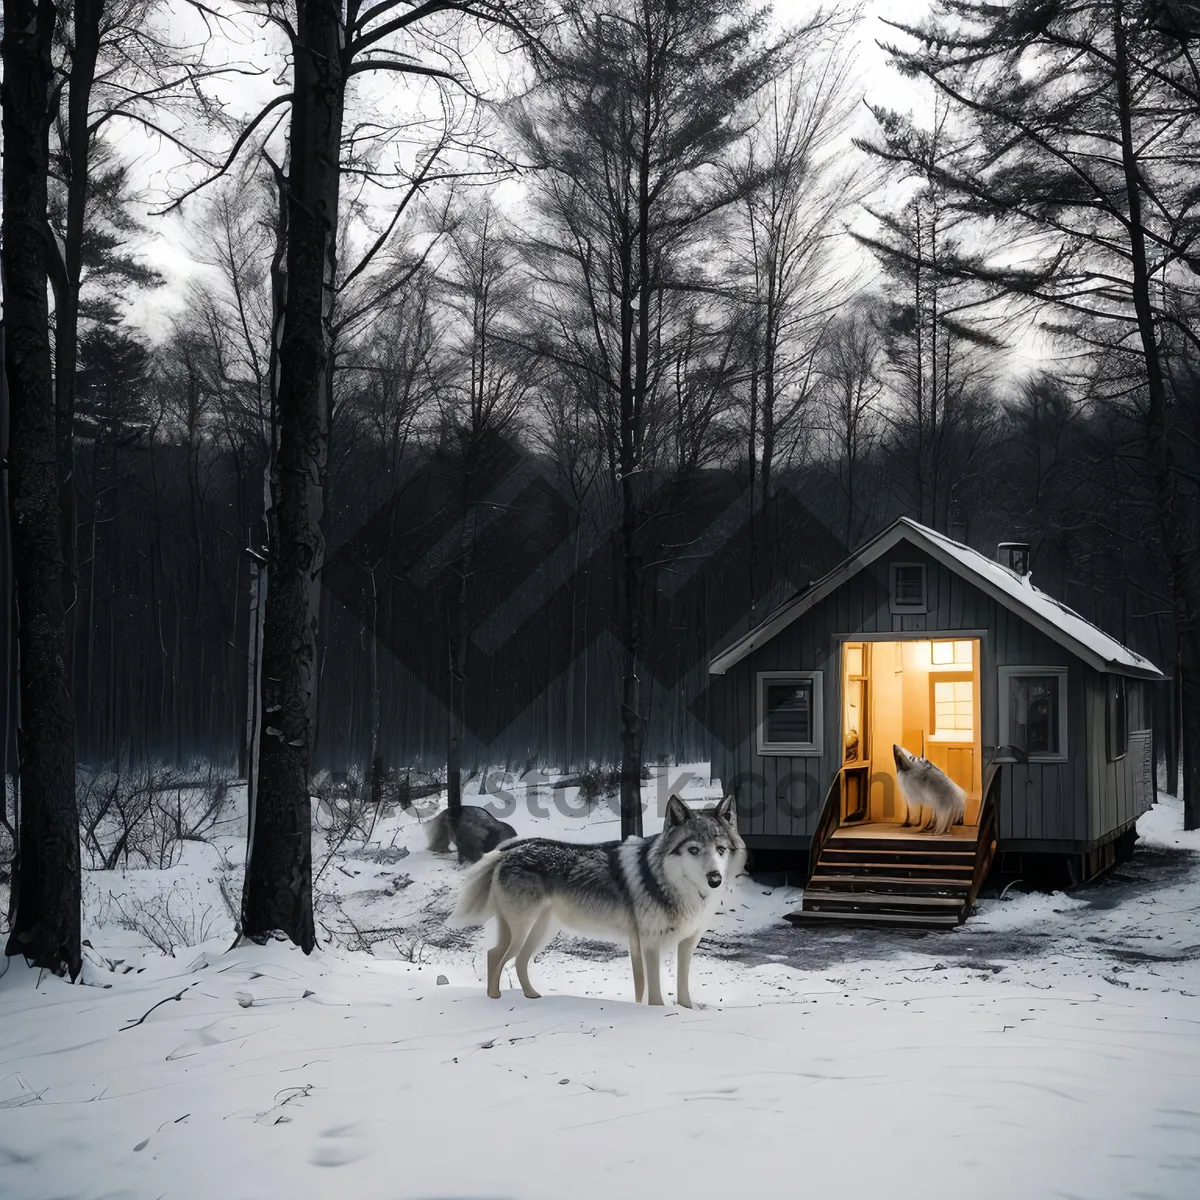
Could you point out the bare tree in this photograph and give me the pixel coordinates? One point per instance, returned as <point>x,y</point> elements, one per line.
<point>641,100</point>
<point>796,187</point>
<point>849,372</point>
<point>936,339</point>
<point>331,43</point>
<point>492,379</point>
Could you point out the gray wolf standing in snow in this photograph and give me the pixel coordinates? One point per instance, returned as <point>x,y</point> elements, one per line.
<point>925,786</point>
<point>474,833</point>
<point>656,891</point>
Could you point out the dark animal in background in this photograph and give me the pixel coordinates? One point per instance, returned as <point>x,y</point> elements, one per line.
<point>474,833</point>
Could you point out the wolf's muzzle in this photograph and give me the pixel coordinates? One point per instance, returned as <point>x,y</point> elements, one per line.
<point>714,879</point>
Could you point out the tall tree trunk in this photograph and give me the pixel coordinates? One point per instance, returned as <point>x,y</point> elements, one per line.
<point>376,749</point>
<point>258,527</point>
<point>920,381</point>
<point>1175,504</point>
<point>1171,731</point>
<point>466,464</point>
<point>459,633</point>
<point>851,455</point>
<point>632,415</point>
<point>278,889</point>
<point>8,646</point>
<point>627,597</point>
<point>46,921</point>
<point>629,607</point>
<point>770,353</point>
<point>84,52</point>
<point>754,522</point>
<point>454,728</point>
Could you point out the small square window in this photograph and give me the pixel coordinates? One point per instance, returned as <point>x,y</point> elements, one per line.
<point>946,654</point>
<point>1117,724</point>
<point>1033,711</point>
<point>907,582</point>
<point>789,713</point>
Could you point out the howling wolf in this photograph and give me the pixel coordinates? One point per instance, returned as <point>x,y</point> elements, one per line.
<point>926,787</point>
<point>656,891</point>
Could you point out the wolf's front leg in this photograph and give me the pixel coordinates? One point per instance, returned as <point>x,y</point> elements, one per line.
<point>684,962</point>
<point>639,975</point>
<point>652,954</point>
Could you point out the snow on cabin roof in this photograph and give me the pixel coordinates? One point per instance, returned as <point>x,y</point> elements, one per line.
<point>1058,622</point>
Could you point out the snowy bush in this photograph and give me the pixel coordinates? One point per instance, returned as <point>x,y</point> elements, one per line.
<point>143,814</point>
<point>167,919</point>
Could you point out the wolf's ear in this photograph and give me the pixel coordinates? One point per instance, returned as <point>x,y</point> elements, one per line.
<point>677,812</point>
<point>724,810</point>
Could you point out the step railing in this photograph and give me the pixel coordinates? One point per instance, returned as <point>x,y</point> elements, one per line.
<point>831,815</point>
<point>985,845</point>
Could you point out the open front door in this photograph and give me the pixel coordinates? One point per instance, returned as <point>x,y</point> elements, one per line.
<point>856,731</point>
<point>919,693</point>
<point>953,728</point>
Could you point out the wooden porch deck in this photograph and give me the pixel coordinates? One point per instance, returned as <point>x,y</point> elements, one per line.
<point>890,831</point>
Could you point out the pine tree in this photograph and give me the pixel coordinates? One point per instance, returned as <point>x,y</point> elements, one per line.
<point>1075,146</point>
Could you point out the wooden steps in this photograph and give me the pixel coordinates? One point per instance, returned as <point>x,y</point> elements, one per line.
<point>879,879</point>
<point>939,920</point>
<point>931,885</point>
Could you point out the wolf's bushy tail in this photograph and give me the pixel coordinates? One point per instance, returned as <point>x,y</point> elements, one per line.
<point>475,901</point>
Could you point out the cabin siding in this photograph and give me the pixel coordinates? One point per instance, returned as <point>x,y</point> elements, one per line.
<point>1113,785</point>
<point>779,799</point>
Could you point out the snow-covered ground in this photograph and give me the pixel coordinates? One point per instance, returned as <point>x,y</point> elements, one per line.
<point>1049,1047</point>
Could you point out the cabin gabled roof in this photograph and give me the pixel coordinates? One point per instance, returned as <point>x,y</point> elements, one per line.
<point>1058,622</point>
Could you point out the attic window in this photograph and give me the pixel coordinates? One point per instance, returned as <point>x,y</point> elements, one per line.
<point>908,588</point>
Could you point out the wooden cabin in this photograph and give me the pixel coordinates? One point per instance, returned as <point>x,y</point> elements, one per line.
<point>919,641</point>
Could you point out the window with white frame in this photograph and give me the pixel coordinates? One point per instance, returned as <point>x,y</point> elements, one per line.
<point>1033,712</point>
<point>906,582</point>
<point>790,719</point>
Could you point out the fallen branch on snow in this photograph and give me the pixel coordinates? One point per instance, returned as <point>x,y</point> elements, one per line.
<point>178,996</point>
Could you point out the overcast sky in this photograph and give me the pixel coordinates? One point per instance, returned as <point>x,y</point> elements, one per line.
<point>161,171</point>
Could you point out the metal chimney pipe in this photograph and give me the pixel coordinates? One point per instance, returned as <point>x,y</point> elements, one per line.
<point>1015,556</point>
